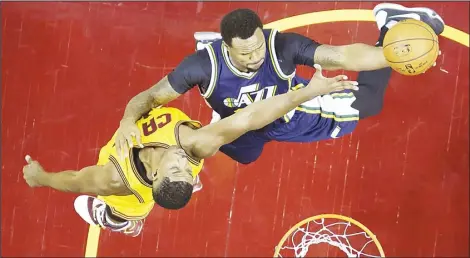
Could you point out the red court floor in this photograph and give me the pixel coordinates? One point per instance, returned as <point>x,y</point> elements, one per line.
<point>69,68</point>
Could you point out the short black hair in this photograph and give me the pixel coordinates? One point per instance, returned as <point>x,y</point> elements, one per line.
<point>240,23</point>
<point>172,195</point>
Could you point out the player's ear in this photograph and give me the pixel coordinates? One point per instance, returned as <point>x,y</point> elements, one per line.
<point>154,175</point>
<point>156,183</point>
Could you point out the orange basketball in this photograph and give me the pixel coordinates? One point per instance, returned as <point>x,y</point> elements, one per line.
<point>411,47</point>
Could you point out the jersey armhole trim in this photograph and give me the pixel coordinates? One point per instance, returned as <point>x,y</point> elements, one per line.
<point>124,179</point>
<point>272,52</point>
<point>214,74</point>
<point>195,125</point>
<point>134,168</point>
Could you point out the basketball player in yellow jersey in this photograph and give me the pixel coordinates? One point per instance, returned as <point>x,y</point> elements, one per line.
<point>162,170</point>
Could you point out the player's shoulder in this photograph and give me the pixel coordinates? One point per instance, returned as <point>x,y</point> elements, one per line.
<point>291,42</point>
<point>196,61</point>
<point>287,38</point>
<point>200,57</point>
<point>283,43</point>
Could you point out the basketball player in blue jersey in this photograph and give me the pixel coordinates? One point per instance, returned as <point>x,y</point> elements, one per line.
<point>250,64</point>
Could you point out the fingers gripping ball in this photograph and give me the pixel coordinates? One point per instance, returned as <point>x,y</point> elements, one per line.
<point>411,47</point>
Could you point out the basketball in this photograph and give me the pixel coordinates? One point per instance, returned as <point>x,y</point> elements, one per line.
<point>411,47</point>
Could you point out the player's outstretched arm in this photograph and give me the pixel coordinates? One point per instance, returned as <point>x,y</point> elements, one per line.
<point>353,57</point>
<point>207,140</point>
<point>305,51</point>
<point>97,180</point>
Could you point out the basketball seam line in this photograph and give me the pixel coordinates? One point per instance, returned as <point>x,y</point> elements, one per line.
<point>432,33</point>
<point>433,44</point>
<point>406,40</point>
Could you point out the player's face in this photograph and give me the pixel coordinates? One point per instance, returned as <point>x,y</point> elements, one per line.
<point>174,165</point>
<point>248,54</point>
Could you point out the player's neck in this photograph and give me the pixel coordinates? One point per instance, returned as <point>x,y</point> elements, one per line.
<point>150,157</point>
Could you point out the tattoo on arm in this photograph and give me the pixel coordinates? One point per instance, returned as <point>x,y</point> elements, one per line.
<point>352,57</point>
<point>159,94</point>
<point>163,93</point>
<point>329,57</point>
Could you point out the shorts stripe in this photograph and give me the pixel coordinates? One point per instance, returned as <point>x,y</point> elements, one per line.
<point>326,114</point>
<point>342,95</point>
<point>124,179</point>
<point>126,217</point>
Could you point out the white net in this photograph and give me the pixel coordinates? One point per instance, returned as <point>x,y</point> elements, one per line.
<point>347,237</point>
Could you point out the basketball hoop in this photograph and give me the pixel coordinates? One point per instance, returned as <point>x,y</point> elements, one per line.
<point>346,234</point>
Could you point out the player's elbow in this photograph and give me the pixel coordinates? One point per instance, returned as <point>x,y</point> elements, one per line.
<point>207,148</point>
<point>331,57</point>
<point>352,57</point>
<point>344,57</point>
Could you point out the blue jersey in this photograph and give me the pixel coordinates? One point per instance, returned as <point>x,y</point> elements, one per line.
<point>230,89</point>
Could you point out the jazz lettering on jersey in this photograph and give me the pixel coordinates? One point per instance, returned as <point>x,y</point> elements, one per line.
<point>154,123</point>
<point>249,95</point>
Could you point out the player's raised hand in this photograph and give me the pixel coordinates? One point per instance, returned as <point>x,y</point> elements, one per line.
<point>32,172</point>
<point>323,85</point>
<point>126,132</point>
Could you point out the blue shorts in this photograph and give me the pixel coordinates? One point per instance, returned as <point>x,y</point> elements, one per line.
<point>247,148</point>
<point>323,117</point>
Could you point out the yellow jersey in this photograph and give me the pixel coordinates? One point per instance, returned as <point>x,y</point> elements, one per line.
<point>159,128</point>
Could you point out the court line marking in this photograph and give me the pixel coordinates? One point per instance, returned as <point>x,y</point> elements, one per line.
<point>91,247</point>
<point>351,15</point>
<point>93,239</point>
